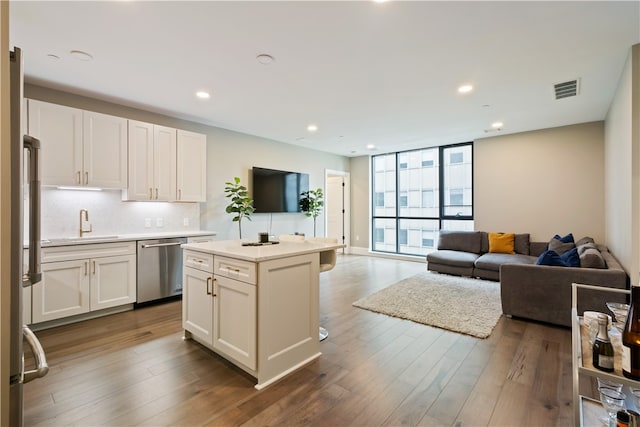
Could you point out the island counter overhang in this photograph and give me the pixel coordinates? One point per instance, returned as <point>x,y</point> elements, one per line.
<point>256,306</point>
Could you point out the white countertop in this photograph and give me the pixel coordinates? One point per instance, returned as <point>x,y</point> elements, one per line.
<point>234,249</point>
<point>66,241</point>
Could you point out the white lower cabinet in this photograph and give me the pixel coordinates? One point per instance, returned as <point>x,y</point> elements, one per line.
<point>197,304</point>
<point>83,278</point>
<point>220,312</point>
<point>234,323</point>
<point>63,291</point>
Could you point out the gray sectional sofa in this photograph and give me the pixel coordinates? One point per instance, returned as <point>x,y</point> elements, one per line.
<point>537,292</point>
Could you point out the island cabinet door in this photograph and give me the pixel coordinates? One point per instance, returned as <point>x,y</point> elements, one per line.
<point>234,322</point>
<point>197,304</point>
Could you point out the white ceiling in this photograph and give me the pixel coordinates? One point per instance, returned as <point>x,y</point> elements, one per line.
<point>363,72</point>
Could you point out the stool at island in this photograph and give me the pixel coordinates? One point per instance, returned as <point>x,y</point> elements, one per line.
<point>327,262</point>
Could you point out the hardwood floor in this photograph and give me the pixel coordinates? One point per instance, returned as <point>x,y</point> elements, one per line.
<point>134,369</point>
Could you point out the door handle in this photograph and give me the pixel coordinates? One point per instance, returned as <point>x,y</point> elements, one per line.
<point>38,353</point>
<point>159,245</point>
<point>208,281</point>
<point>94,268</point>
<point>86,177</point>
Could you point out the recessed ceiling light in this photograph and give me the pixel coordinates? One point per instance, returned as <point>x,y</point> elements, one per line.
<point>371,147</point>
<point>265,59</point>
<point>312,128</point>
<point>465,88</point>
<point>497,125</point>
<point>80,55</point>
<point>203,95</point>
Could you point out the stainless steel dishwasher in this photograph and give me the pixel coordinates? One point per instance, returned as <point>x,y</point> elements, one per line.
<point>159,268</point>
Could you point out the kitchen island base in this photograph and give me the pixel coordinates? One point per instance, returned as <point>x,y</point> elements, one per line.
<point>260,313</point>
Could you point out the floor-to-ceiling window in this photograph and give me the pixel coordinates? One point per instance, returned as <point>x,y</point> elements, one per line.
<point>417,193</point>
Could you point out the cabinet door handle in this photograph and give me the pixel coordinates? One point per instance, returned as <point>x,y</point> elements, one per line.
<point>150,193</point>
<point>94,268</point>
<point>156,193</point>
<point>208,281</point>
<point>86,177</point>
<point>214,288</point>
<point>78,178</point>
<point>179,194</point>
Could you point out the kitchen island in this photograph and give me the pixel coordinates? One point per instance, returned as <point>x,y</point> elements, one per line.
<point>256,306</point>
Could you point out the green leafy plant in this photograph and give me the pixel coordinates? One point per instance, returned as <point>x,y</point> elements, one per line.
<point>241,204</point>
<point>311,204</point>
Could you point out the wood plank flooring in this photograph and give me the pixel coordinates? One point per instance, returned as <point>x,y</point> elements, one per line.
<point>134,369</point>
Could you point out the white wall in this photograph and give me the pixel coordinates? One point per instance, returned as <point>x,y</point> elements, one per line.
<point>543,182</point>
<point>622,168</point>
<point>229,154</point>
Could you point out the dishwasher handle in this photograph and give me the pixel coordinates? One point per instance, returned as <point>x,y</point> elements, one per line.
<point>159,245</point>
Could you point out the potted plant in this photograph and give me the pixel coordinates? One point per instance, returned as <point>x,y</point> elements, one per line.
<point>311,204</point>
<point>241,204</point>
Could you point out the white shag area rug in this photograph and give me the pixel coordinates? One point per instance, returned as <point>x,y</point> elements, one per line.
<point>459,304</point>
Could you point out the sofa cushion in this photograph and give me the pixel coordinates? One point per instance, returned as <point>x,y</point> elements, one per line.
<point>567,259</point>
<point>585,240</point>
<point>550,258</point>
<point>521,244</point>
<point>583,247</point>
<point>465,241</point>
<point>560,245</point>
<point>501,243</point>
<point>592,258</point>
<point>493,261</point>
<point>571,258</point>
<point>565,239</point>
<point>453,258</point>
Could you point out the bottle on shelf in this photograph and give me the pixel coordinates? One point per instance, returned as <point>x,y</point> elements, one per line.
<point>631,338</point>
<point>602,347</point>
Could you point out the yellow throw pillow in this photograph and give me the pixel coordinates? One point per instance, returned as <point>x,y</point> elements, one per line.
<point>502,243</point>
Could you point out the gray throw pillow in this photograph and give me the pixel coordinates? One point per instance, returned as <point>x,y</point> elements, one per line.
<point>592,258</point>
<point>583,247</point>
<point>521,244</point>
<point>558,247</point>
<point>584,240</point>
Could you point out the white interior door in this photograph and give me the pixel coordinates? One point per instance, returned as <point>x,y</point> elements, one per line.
<point>337,206</point>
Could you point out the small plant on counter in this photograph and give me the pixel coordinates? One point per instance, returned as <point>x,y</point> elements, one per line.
<point>311,204</point>
<point>241,204</point>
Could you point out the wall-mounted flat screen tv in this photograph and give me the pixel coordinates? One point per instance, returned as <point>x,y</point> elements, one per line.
<point>276,191</point>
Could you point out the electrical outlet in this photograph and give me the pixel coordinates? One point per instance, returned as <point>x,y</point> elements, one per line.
<point>185,222</point>
<point>147,223</point>
<point>159,222</point>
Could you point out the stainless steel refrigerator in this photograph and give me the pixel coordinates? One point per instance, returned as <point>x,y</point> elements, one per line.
<point>25,182</point>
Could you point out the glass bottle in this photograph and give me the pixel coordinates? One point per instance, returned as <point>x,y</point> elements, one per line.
<point>631,338</point>
<point>602,348</point>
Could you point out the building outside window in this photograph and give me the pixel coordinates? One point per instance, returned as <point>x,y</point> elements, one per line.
<point>417,193</point>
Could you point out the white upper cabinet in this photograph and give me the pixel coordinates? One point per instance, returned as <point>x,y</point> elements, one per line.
<point>166,164</point>
<point>191,167</point>
<point>152,162</point>
<point>79,148</point>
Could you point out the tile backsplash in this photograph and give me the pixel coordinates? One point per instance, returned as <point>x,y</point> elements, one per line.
<point>109,215</point>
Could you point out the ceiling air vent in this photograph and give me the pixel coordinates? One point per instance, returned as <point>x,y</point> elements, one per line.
<point>566,89</point>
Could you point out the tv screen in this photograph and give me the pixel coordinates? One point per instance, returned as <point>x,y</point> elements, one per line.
<point>278,191</point>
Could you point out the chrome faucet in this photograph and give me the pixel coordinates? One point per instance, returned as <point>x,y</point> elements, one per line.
<point>85,213</point>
